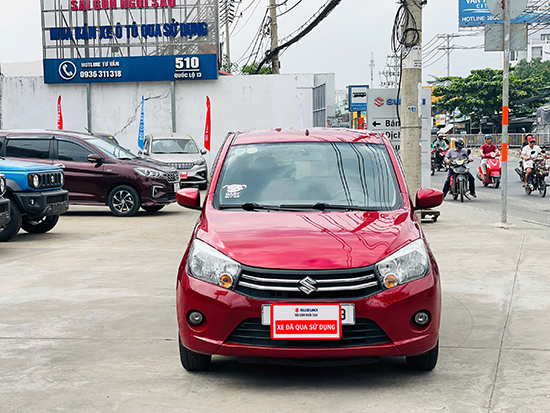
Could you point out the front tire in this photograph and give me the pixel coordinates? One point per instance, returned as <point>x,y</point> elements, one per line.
<point>192,361</point>
<point>11,229</point>
<point>426,361</point>
<point>461,189</point>
<point>39,225</point>
<point>542,188</point>
<point>496,182</point>
<point>124,201</point>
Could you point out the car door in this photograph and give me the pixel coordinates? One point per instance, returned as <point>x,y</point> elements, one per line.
<point>84,180</point>
<point>29,148</point>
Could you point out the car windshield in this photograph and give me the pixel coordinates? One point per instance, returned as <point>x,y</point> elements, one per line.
<point>112,149</point>
<point>312,175</point>
<point>166,146</point>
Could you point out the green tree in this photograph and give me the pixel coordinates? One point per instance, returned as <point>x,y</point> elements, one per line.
<point>480,94</point>
<point>250,69</point>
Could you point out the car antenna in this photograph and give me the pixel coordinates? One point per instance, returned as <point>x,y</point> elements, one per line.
<point>88,130</point>
<point>307,132</point>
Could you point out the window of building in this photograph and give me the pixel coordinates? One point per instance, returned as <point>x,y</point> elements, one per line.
<point>545,37</point>
<point>536,52</point>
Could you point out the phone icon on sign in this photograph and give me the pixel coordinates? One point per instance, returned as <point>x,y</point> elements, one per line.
<point>67,70</point>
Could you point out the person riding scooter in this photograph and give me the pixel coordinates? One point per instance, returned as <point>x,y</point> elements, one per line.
<point>486,150</point>
<point>526,156</point>
<point>458,153</point>
<point>440,147</point>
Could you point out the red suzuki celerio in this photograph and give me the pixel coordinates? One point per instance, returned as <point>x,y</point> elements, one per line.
<point>308,246</point>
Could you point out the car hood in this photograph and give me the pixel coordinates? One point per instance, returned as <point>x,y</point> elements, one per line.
<point>148,163</point>
<point>309,239</point>
<point>22,166</point>
<point>176,157</point>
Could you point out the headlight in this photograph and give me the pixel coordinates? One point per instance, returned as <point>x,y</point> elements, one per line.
<point>405,265</point>
<point>151,173</point>
<point>2,185</point>
<point>201,161</point>
<point>210,265</point>
<point>34,180</point>
<point>62,180</point>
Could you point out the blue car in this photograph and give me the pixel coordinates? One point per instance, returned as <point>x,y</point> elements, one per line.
<point>4,203</point>
<point>36,196</point>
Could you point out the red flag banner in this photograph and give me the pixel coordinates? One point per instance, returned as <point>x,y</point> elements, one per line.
<point>59,114</point>
<point>208,126</point>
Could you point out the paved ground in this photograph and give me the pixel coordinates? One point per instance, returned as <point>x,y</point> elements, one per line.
<point>87,323</point>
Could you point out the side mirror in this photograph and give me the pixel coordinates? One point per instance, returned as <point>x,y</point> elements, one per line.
<point>95,158</point>
<point>140,152</point>
<point>189,198</point>
<point>204,151</point>
<point>428,198</point>
<point>469,151</point>
<point>533,152</point>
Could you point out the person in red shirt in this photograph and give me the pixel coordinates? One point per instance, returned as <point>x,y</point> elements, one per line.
<point>486,149</point>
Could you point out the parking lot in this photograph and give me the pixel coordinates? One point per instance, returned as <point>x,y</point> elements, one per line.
<point>88,324</point>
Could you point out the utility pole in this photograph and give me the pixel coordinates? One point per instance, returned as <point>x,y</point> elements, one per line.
<point>505,95</point>
<point>371,69</point>
<point>411,82</point>
<point>227,16</point>
<point>274,39</point>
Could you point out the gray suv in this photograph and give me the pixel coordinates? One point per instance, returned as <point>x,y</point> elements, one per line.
<point>180,151</point>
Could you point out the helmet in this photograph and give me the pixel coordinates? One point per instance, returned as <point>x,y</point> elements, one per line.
<point>531,139</point>
<point>459,143</point>
<point>488,136</point>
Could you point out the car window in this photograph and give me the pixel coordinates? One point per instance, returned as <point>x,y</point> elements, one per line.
<point>171,146</point>
<point>70,151</point>
<point>306,173</point>
<point>28,148</point>
<point>116,151</point>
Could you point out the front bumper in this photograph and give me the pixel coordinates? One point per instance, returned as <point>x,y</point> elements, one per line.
<point>43,203</point>
<point>196,175</point>
<point>391,311</point>
<point>4,211</point>
<point>159,192</point>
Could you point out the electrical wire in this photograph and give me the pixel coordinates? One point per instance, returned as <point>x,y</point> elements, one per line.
<point>286,11</point>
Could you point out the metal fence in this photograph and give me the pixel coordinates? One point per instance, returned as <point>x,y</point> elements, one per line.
<point>515,140</point>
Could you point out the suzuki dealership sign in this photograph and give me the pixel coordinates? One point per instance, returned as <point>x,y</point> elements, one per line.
<point>88,41</point>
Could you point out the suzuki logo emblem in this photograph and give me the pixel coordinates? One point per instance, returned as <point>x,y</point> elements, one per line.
<point>308,285</point>
<point>378,101</point>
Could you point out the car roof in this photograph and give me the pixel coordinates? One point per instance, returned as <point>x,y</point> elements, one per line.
<point>50,132</point>
<point>307,135</point>
<point>168,135</point>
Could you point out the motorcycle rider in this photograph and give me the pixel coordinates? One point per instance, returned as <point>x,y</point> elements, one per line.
<point>526,156</point>
<point>439,145</point>
<point>486,149</point>
<point>457,153</point>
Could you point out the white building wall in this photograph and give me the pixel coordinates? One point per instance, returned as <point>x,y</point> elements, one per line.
<point>238,103</point>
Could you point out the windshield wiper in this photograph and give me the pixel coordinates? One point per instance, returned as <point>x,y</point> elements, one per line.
<point>322,206</point>
<point>250,206</point>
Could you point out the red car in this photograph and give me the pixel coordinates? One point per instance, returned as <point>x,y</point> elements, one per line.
<point>308,246</point>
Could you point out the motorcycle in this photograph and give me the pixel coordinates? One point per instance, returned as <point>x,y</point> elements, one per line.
<point>438,157</point>
<point>493,171</point>
<point>459,178</point>
<point>538,174</point>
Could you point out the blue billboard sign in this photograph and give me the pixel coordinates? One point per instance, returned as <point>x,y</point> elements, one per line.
<point>131,69</point>
<point>358,98</point>
<point>475,13</point>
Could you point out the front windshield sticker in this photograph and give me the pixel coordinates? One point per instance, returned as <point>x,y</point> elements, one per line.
<point>252,150</point>
<point>239,151</point>
<point>234,191</point>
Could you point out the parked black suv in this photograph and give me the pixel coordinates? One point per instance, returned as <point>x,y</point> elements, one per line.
<point>97,172</point>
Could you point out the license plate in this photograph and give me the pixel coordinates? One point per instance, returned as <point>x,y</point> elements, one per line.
<point>184,174</point>
<point>176,187</point>
<point>306,322</point>
<point>348,314</point>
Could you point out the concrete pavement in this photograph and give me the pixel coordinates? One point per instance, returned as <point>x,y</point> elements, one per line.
<point>87,323</point>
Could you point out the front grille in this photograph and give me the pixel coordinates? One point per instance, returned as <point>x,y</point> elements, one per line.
<point>364,332</point>
<point>181,165</point>
<point>50,179</point>
<point>172,177</point>
<point>55,199</point>
<point>296,284</point>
